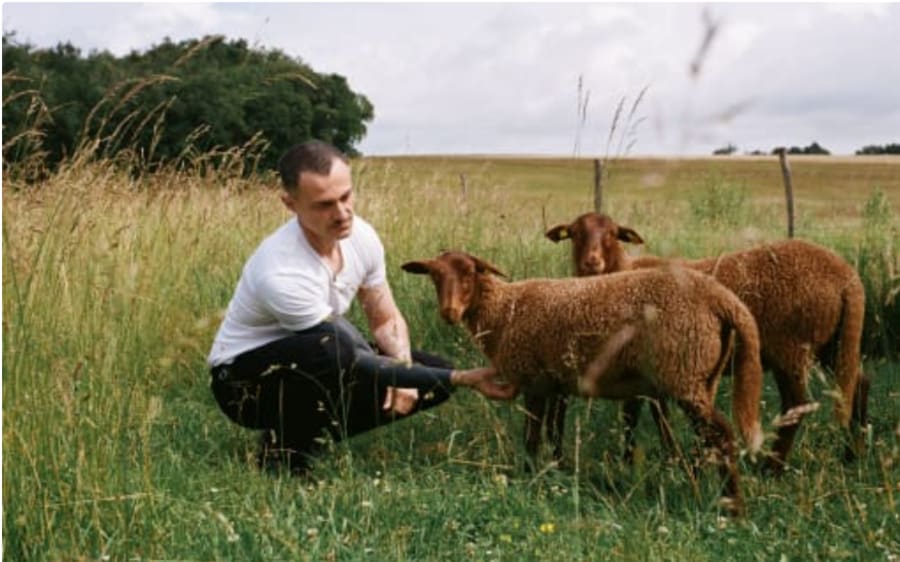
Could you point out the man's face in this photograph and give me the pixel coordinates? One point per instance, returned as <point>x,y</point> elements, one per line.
<point>324,204</point>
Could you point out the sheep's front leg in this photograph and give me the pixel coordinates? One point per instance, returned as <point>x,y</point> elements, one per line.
<point>535,416</point>
<point>660,411</point>
<point>631,411</point>
<point>556,424</point>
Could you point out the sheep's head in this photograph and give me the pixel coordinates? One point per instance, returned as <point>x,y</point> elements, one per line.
<point>595,242</point>
<point>455,277</point>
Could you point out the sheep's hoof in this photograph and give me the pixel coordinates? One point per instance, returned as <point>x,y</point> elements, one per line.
<point>734,507</point>
<point>634,456</point>
<point>856,447</point>
<point>528,467</point>
<point>774,466</point>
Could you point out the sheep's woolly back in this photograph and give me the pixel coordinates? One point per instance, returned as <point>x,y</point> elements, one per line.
<point>803,296</point>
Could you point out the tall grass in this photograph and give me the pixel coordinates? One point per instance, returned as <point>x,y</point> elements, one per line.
<point>114,284</point>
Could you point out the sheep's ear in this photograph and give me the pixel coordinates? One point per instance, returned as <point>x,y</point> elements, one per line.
<point>628,235</point>
<point>558,232</point>
<point>417,267</point>
<point>482,266</point>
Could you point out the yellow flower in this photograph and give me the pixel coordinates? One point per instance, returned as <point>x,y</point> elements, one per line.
<point>548,528</point>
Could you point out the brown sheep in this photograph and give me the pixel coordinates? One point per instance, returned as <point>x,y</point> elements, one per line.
<point>666,331</point>
<point>808,303</point>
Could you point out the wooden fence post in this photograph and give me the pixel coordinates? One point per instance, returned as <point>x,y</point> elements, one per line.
<point>788,188</point>
<point>598,185</point>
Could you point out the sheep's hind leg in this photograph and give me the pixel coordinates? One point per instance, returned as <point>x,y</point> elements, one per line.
<point>859,420</point>
<point>713,428</point>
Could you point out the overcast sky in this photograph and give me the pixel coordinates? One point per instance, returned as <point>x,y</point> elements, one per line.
<point>503,77</point>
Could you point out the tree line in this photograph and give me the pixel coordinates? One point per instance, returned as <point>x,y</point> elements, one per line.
<point>171,103</point>
<point>814,148</point>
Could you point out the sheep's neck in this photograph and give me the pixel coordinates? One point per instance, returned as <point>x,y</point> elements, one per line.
<point>488,313</point>
<point>618,260</point>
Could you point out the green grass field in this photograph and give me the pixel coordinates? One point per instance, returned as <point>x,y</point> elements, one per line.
<point>115,450</point>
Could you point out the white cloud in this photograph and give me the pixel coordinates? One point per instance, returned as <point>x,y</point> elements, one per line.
<point>858,11</point>
<point>502,77</point>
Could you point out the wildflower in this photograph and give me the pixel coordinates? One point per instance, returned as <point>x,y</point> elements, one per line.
<point>548,528</point>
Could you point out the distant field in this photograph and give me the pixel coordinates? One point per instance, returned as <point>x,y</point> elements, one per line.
<point>831,188</point>
<point>114,449</point>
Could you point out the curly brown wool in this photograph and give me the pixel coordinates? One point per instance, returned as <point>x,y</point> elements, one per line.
<point>657,332</point>
<point>808,303</point>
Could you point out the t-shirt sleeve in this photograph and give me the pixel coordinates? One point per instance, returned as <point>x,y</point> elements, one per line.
<point>294,304</point>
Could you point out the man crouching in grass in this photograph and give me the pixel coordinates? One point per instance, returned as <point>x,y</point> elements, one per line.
<point>287,362</point>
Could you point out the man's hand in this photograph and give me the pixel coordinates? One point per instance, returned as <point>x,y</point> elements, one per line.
<point>400,400</point>
<point>485,381</point>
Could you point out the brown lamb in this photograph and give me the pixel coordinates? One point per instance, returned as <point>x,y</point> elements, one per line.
<point>665,331</point>
<point>808,303</point>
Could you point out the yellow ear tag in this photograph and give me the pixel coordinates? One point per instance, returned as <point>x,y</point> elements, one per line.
<point>563,234</point>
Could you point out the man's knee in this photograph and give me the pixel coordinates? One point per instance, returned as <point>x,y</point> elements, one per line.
<point>337,349</point>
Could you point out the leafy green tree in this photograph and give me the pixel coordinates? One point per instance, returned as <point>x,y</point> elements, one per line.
<point>176,103</point>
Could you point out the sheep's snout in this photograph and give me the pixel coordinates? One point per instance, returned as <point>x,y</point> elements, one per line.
<point>593,263</point>
<point>451,314</point>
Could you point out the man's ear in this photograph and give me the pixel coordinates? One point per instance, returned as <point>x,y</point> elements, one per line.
<point>558,232</point>
<point>288,200</point>
<point>416,267</point>
<point>626,234</point>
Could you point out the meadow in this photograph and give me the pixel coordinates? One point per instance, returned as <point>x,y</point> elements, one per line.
<point>114,449</point>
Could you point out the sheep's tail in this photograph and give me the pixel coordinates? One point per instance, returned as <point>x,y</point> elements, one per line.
<point>847,361</point>
<point>747,382</point>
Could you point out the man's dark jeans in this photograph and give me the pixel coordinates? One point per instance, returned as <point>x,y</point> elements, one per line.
<point>325,378</point>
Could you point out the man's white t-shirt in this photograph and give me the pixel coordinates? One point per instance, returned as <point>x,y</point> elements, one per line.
<point>286,287</point>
